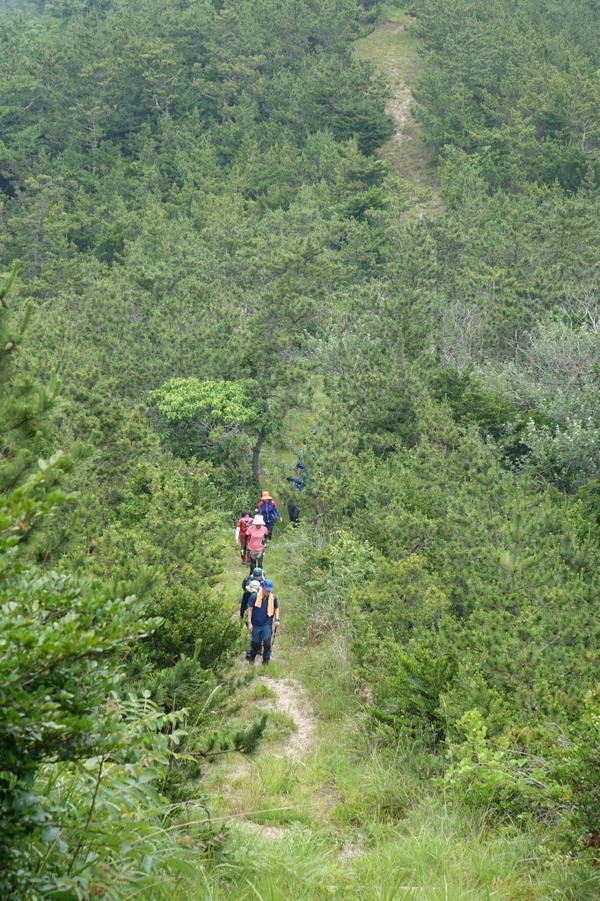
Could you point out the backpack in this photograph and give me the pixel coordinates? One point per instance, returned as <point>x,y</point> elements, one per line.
<point>268,511</point>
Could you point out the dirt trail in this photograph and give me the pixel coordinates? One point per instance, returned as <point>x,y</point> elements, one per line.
<point>399,105</point>
<point>393,52</point>
<point>292,699</point>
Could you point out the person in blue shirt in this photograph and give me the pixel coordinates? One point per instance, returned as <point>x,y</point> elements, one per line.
<point>269,511</point>
<point>263,619</point>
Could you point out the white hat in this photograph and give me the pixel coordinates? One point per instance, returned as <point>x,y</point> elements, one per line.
<point>258,520</point>
<point>254,585</point>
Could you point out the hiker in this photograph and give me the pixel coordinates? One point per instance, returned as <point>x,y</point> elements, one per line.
<point>269,511</point>
<point>263,619</point>
<point>250,585</point>
<point>240,533</point>
<point>293,512</point>
<point>256,538</point>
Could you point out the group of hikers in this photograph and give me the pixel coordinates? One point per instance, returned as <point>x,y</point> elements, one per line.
<point>259,604</point>
<point>253,532</point>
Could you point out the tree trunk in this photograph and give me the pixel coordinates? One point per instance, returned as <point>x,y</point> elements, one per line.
<point>256,456</point>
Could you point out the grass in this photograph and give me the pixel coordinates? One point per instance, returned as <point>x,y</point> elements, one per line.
<point>393,50</point>
<point>352,819</point>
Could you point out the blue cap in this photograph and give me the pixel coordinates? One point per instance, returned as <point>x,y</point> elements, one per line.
<point>268,585</point>
<point>257,573</point>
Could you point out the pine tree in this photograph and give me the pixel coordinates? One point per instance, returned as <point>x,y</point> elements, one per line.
<point>56,632</point>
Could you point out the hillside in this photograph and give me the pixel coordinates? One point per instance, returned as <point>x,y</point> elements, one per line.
<point>345,243</point>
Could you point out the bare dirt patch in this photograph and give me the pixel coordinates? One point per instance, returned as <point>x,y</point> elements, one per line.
<point>393,27</point>
<point>399,105</point>
<point>273,833</point>
<point>292,699</point>
<point>351,849</point>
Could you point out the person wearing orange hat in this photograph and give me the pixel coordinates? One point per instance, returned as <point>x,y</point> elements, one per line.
<point>269,512</point>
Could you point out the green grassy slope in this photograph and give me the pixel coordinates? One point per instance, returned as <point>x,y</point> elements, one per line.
<point>393,50</point>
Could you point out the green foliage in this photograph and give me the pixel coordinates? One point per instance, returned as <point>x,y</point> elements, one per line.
<point>165,543</point>
<point>504,781</point>
<point>56,668</point>
<point>404,600</point>
<point>472,404</point>
<point>187,398</point>
<point>207,418</point>
<point>193,192</point>
<point>406,682</point>
<point>114,835</point>
<point>577,766</point>
<point>337,570</point>
<point>512,87</point>
<point>566,456</point>
<point>75,763</point>
<point>555,385</point>
<point>26,407</point>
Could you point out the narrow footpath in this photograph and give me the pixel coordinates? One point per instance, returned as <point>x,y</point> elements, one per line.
<point>392,49</point>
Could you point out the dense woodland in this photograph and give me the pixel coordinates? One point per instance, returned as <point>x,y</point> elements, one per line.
<point>207,264</point>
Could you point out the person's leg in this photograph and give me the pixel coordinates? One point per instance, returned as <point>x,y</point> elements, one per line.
<point>267,644</point>
<point>256,642</point>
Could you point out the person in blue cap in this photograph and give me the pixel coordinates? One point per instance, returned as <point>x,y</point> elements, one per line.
<point>263,619</point>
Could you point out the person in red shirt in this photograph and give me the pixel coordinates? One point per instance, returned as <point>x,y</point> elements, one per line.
<point>240,534</point>
<point>256,538</point>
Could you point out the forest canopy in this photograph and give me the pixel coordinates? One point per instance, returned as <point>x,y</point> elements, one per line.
<point>216,264</point>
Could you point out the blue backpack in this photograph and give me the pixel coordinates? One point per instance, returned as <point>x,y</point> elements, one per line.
<point>268,511</point>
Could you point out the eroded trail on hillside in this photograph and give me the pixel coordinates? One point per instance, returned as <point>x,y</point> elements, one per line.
<point>393,52</point>
<point>292,699</point>
<point>399,105</point>
<point>285,696</point>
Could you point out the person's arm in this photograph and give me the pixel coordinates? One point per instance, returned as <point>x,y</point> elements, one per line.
<point>276,612</point>
<point>237,534</point>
